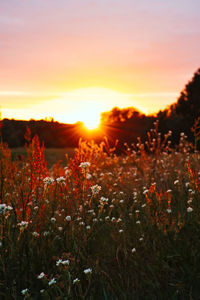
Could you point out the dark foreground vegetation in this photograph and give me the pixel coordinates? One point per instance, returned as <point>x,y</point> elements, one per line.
<point>103,226</point>
<point>124,125</point>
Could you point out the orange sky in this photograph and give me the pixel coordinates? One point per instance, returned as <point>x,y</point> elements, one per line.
<point>66,58</point>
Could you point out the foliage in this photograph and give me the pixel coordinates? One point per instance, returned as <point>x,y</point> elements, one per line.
<point>104,226</point>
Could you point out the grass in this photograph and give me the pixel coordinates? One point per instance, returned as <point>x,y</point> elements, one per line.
<point>105,227</point>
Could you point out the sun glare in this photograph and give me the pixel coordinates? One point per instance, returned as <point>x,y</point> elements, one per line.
<point>91,123</point>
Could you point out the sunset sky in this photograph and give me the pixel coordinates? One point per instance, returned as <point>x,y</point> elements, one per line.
<point>72,59</point>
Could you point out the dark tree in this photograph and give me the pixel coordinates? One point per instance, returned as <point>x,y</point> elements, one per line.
<point>188,102</point>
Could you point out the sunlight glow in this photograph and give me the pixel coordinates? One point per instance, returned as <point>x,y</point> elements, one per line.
<point>92,123</point>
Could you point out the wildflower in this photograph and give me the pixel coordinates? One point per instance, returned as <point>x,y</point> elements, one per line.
<point>42,291</point>
<point>138,222</point>
<point>24,292</point>
<point>48,180</point>
<point>119,220</point>
<point>189,209</point>
<point>133,250</point>
<point>88,227</point>
<point>52,281</point>
<point>107,218</point>
<point>143,205</point>
<point>103,199</point>
<point>169,211</point>
<point>88,176</point>
<point>81,223</point>
<point>35,234</point>
<point>45,233</point>
<point>42,275</point>
<point>53,220</point>
<point>65,262</point>
<point>121,230</point>
<point>60,228</point>
<point>68,218</point>
<point>5,209</point>
<point>141,239</point>
<point>95,189</point>
<point>23,224</point>
<point>59,262</point>
<point>137,211</point>
<point>88,271</point>
<point>84,165</point>
<point>76,280</point>
<point>169,191</point>
<point>60,179</point>
<point>145,192</point>
<point>176,181</point>
<point>113,219</point>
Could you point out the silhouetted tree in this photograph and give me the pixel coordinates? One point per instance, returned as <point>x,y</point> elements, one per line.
<point>188,102</point>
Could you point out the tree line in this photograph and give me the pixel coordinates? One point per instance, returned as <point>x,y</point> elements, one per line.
<point>124,125</point>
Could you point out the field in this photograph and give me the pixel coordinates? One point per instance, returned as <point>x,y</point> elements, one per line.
<point>52,155</point>
<point>101,226</point>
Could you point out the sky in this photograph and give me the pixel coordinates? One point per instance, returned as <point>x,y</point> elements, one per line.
<point>72,59</point>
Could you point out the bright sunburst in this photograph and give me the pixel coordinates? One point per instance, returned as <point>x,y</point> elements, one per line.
<point>91,123</point>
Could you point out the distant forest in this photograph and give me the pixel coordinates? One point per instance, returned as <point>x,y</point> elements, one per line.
<point>125,125</point>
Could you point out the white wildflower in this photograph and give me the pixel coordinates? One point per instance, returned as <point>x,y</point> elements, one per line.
<point>46,233</point>
<point>52,281</point>
<point>88,271</point>
<point>24,292</point>
<point>23,224</point>
<point>42,275</point>
<point>88,176</point>
<point>68,218</point>
<point>48,180</point>
<point>60,179</point>
<point>35,234</point>
<point>4,209</point>
<point>189,209</point>
<point>76,280</point>
<point>95,189</point>
<point>84,165</point>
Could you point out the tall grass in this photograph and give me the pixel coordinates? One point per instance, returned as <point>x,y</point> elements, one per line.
<point>104,226</point>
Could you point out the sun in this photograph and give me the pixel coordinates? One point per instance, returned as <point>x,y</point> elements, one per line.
<point>91,119</point>
<point>91,124</point>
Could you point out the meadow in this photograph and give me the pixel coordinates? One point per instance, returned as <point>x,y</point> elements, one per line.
<point>51,155</point>
<point>102,226</point>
